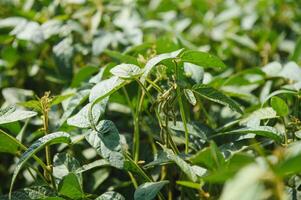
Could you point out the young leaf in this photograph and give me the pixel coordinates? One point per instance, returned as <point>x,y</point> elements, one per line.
<point>214,95</point>
<point>126,71</point>
<point>106,141</point>
<point>110,196</point>
<point>53,138</point>
<point>149,190</point>
<point>156,60</point>
<point>202,59</point>
<point>71,187</point>
<point>10,114</point>
<point>279,106</point>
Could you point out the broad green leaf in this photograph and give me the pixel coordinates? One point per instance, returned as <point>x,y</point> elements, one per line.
<point>149,190</point>
<point>106,141</point>
<point>83,74</point>
<point>184,166</point>
<point>81,119</point>
<point>126,71</point>
<point>202,59</point>
<point>265,131</point>
<point>209,157</point>
<point>291,71</point>
<point>53,138</point>
<point>11,114</point>
<point>31,193</point>
<point>245,185</point>
<point>190,96</point>
<point>8,144</point>
<point>63,164</point>
<point>214,95</point>
<point>73,103</point>
<point>253,119</point>
<point>281,91</point>
<point>156,60</point>
<point>71,187</point>
<point>279,106</point>
<point>105,88</point>
<point>230,168</point>
<point>121,57</point>
<point>110,196</point>
<point>33,104</point>
<point>63,54</point>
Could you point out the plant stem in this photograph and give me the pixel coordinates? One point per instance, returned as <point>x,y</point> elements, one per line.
<point>182,111</point>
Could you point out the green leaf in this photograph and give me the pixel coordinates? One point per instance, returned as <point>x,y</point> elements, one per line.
<point>265,131</point>
<point>253,119</point>
<point>33,104</point>
<point>106,141</point>
<point>279,106</point>
<point>202,59</point>
<point>60,98</point>
<point>184,166</point>
<point>31,193</point>
<point>149,190</point>
<point>63,164</point>
<point>291,162</point>
<point>126,71</point>
<point>123,58</point>
<point>82,75</point>
<point>214,95</point>
<point>110,196</point>
<point>71,187</point>
<point>156,60</point>
<point>73,103</point>
<point>105,88</point>
<point>190,96</point>
<point>209,157</point>
<point>53,138</point>
<point>8,144</point>
<point>10,114</point>
<point>81,119</point>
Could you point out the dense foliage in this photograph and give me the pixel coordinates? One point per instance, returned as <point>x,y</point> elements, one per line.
<point>160,99</point>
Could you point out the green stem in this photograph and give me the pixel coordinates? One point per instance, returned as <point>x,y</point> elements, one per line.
<point>182,111</point>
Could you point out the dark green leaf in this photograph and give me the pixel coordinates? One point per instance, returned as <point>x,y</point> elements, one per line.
<point>148,191</point>
<point>214,95</point>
